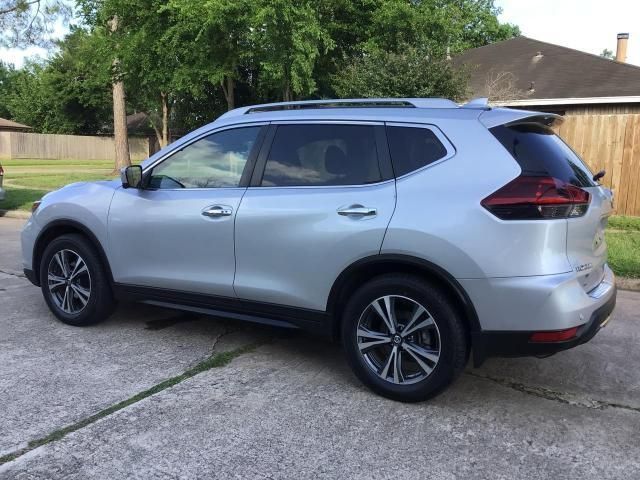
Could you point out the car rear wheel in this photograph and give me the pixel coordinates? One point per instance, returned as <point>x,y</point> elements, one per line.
<point>74,282</point>
<point>403,338</point>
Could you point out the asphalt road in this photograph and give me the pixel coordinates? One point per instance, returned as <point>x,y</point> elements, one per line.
<point>288,407</point>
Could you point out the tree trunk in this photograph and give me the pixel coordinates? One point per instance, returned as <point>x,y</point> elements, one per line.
<point>158,133</point>
<point>164,141</point>
<point>286,93</point>
<point>120,136</point>
<point>120,126</point>
<point>286,90</point>
<point>231,88</point>
<point>228,85</point>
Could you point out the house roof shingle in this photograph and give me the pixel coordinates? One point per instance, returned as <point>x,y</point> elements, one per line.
<point>556,71</point>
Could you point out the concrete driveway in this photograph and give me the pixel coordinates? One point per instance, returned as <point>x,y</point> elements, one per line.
<point>153,393</point>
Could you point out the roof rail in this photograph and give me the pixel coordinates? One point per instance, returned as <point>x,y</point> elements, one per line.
<point>480,102</point>
<point>346,103</point>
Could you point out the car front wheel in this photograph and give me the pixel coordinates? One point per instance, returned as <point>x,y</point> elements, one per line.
<point>74,282</point>
<point>403,338</point>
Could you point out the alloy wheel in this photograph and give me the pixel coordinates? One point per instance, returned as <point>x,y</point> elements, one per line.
<point>398,339</point>
<point>69,281</point>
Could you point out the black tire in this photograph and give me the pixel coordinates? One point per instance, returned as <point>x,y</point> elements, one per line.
<point>451,332</point>
<point>100,303</point>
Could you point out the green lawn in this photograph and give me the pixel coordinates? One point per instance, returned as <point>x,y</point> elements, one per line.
<point>57,163</point>
<point>624,252</point>
<point>28,180</point>
<point>620,222</point>
<point>20,198</point>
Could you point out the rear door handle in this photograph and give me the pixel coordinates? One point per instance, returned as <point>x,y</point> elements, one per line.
<point>217,211</point>
<point>357,211</point>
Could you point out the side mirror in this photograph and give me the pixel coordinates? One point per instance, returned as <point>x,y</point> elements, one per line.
<point>131,176</point>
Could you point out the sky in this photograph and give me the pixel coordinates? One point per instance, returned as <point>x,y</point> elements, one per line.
<point>587,25</point>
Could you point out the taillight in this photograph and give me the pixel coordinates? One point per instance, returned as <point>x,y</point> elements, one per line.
<point>1,171</point>
<point>531,198</point>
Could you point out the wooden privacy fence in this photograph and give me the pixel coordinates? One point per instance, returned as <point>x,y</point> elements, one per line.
<point>611,143</point>
<point>74,147</point>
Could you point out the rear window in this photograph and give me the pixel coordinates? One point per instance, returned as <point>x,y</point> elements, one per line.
<point>540,152</point>
<point>412,148</point>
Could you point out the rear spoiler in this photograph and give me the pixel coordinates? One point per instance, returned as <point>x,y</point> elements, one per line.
<point>502,116</point>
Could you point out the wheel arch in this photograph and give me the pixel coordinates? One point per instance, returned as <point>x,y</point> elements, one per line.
<point>366,268</point>
<point>60,227</point>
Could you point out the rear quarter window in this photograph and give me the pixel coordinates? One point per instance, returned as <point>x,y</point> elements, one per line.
<point>540,152</point>
<point>412,148</point>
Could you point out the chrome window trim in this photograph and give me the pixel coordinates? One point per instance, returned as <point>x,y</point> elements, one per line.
<point>451,150</point>
<point>306,187</point>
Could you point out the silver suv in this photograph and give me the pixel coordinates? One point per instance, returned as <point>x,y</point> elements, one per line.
<point>414,230</point>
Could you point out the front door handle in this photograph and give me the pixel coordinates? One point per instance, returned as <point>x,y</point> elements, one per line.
<point>357,211</point>
<point>217,211</point>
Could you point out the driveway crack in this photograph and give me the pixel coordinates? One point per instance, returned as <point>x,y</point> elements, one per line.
<point>553,395</point>
<point>214,360</point>
<point>13,274</point>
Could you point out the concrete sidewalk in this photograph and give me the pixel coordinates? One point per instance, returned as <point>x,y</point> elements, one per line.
<point>288,407</point>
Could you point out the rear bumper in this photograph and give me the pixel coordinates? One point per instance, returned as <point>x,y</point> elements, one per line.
<point>517,344</point>
<point>557,311</point>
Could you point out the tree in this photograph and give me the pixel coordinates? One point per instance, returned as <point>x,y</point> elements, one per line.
<point>289,36</point>
<point>348,24</point>
<point>7,84</point>
<point>183,62</point>
<point>502,86</point>
<point>409,73</point>
<point>67,94</point>
<point>213,41</point>
<point>441,26</point>
<point>104,19</point>
<point>30,22</point>
<point>120,134</point>
<point>606,53</point>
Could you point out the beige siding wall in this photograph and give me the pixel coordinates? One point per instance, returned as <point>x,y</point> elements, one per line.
<point>610,142</point>
<point>76,147</point>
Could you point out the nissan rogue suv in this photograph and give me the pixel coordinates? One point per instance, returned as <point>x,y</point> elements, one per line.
<point>416,231</point>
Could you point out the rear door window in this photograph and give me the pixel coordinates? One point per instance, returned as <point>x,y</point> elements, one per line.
<point>412,148</point>
<point>540,152</point>
<point>322,155</point>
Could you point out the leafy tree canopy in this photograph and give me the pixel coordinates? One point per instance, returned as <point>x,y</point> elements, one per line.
<point>410,72</point>
<point>68,94</point>
<point>185,62</point>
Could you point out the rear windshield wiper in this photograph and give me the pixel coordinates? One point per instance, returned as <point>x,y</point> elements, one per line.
<point>599,175</point>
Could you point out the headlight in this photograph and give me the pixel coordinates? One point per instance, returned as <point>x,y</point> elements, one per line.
<point>35,206</point>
